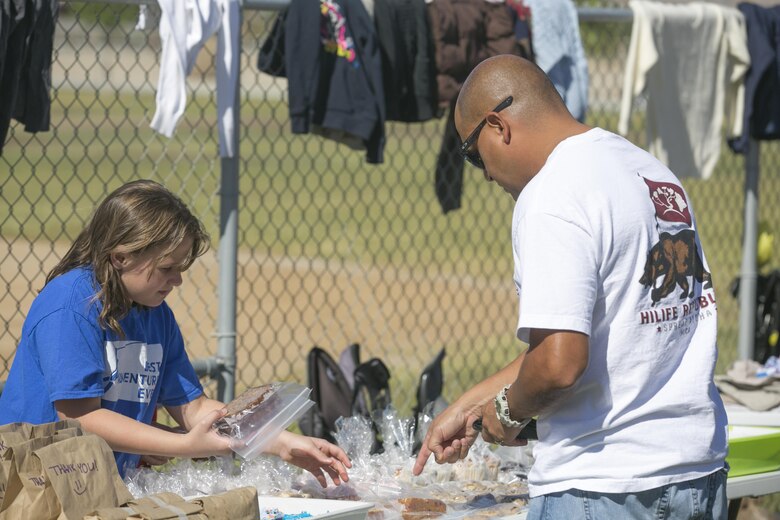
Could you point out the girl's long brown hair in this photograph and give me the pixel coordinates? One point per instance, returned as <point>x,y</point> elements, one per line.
<point>138,217</point>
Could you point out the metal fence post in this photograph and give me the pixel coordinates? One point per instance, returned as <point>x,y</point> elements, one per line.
<point>748,275</point>
<point>228,253</point>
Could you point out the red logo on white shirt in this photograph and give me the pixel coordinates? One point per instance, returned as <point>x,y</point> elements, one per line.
<point>669,201</point>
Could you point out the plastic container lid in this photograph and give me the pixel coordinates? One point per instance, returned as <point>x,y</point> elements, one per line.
<point>260,425</point>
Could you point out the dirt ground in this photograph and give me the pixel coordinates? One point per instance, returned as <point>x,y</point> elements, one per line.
<point>758,509</point>
<point>287,305</point>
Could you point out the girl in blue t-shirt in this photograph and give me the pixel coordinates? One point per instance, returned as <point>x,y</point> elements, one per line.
<point>101,345</point>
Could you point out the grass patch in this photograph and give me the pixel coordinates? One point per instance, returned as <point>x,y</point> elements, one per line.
<point>303,196</point>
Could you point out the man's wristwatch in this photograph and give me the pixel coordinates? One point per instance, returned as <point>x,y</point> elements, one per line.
<point>502,411</point>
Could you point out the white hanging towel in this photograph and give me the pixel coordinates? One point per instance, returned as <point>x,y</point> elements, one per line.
<point>185,25</point>
<point>558,50</point>
<point>691,61</point>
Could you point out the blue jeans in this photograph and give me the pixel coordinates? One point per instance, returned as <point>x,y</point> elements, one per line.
<point>703,498</point>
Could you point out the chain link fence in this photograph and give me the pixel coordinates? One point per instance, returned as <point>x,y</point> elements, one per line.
<point>331,250</point>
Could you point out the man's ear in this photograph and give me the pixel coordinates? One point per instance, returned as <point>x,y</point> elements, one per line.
<point>501,125</point>
<point>119,260</point>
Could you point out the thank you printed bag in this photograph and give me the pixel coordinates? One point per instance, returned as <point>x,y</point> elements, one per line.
<point>62,480</point>
<point>15,460</point>
<point>17,433</point>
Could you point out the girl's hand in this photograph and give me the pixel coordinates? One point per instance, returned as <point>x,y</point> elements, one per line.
<point>203,441</point>
<point>317,456</point>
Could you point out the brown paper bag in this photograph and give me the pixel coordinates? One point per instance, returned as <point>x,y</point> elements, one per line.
<point>7,439</point>
<point>236,504</point>
<point>136,505</point>
<point>8,462</point>
<point>46,429</point>
<point>62,479</point>
<point>17,433</point>
<point>156,499</point>
<point>165,511</point>
<point>23,428</point>
<point>159,506</point>
<point>14,458</point>
<point>110,513</point>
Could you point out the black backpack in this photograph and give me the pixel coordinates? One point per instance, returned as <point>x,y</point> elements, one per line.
<point>337,395</point>
<point>430,385</point>
<point>372,387</point>
<point>331,393</point>
<point>429,390</point>
<point>767,316</point>
<point>767,331</point>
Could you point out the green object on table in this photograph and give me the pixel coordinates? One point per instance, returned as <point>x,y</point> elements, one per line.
<point>753,453</point>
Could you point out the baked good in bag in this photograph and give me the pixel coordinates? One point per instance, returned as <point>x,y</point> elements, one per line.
<point>248,400</point>
<point>416,508</point>
<point>242,405</point>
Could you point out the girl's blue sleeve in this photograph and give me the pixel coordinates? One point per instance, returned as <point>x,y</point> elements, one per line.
<point>69,349</point>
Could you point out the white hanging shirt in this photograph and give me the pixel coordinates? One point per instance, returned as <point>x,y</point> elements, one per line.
<point>589,233</point>
<point>691,61</point>
<point>185,25</point>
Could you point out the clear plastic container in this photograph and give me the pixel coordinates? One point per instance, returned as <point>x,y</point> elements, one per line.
<point>253,430</point>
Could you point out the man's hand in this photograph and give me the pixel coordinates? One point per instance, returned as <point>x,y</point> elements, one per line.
<point>449,438</point>
<point>451,434</point>
<point>495,432</point>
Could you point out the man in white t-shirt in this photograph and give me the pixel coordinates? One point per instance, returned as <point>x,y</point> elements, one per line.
<point>616,305</point>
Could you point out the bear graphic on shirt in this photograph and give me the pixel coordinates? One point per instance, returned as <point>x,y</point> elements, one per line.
<point>675,258</point>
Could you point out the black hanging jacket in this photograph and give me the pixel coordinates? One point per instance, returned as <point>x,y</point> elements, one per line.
<point>408,60</point>
<point>761,119</point>
<point>334,73</point>
<point>465,33</point>
<point>26,40</point>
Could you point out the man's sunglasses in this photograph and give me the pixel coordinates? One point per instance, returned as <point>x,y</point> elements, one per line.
<point>473,156</point>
